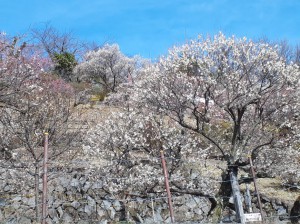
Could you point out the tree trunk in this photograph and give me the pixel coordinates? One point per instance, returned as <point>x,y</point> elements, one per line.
<point>236,195</point>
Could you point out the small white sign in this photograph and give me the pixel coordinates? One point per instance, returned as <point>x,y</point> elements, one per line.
<point>253,217</point>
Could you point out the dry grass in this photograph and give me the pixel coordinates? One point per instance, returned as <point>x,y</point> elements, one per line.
<point>93,113</point>
<point>272,188</point>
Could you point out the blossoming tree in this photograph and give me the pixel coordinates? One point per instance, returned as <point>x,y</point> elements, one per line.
<point>32,102</point>
<point>239,98</point>
<point>107,67</point>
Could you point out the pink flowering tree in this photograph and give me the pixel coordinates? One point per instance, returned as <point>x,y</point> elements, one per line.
<point>18,65</point>
<point>33,102</point>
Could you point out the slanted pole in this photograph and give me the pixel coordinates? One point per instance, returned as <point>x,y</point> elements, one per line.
<point>255,186</point>
<point>167,186</point>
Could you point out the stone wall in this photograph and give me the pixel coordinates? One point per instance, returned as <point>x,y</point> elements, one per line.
<point>74,198</point>
<point>80,196</point>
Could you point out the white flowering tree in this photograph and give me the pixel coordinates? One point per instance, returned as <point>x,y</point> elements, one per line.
<point>107,67</point>
<point>241,97</point>
<point>128,145</point>
<point>126,131</point>
<point>227,98</point>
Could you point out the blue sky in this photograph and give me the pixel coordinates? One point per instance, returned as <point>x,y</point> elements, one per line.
<point>150,27</point>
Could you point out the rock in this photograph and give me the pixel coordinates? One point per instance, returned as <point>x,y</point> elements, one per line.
<point>67,218</point>
<point>16,205</point>
<point>191,203</point>
<point>86,186</point>
<point>88,209</point>
<point>50,221</point>
<point>64,181</point>
<point>255,209</point>
<point>254,200</point>
<point>278,201</point>
<point>194,174</point>
<point>74,183</point>
<point>60,212</point>
<point>157,217</point>
<point>59,189</point>
<point>198,211</point>
<point>100,212</point>
<point>8,211</point>
<point>71,211</point>
<point>281,211</point>
<point>273,203</point>
<point>205,207</point>
<point>83,222</point>
<point>70,195</point>
<point>97,185</point>
<point>7,188</point>
<point>117,205</point>
<point>75,204</point>
<point>91,201</point>
<point>29,212</point>
<point>11,220</point>
<point>52,188</point>
<point>168,220</point>
<point>103,222</point>
<point>84,216</point>
<point>149,221</point>
<point>24,220</point>
<point>227,219</point>
<point>2,202</point>
<point>189,215</point>
<point>31,202</point>
<point>139,200</point>
<point>50,200</point>
<point>106,204</point>
<point>52,213</point>
<point>111,212</point>
<point>18,198</point>
<point>83,180</point>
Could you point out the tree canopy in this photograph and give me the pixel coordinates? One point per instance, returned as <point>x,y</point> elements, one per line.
<point>240,96</point>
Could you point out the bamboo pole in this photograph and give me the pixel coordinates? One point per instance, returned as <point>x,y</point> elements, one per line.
<point>44,198</point>
<point>167,186</point>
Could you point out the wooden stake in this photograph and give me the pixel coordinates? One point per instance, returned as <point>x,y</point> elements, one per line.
<point>167,185</point>
<point>44,198</point>
<point>255,187</point>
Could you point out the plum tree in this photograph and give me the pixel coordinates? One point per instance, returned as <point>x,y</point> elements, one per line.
<point>107,67</point>
<point>238,96</point>
<point>32,102</point>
